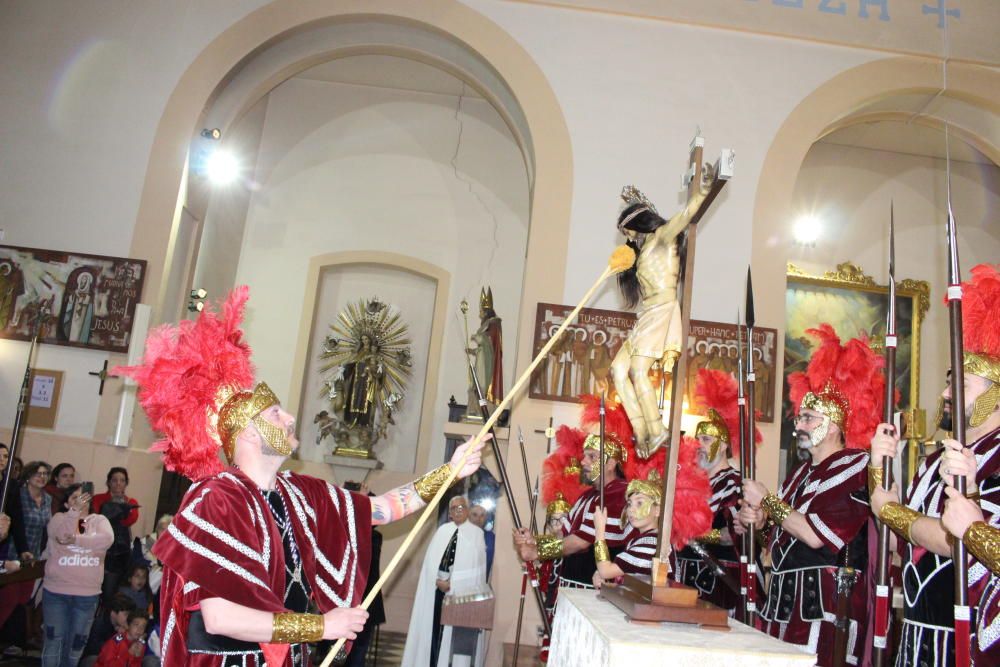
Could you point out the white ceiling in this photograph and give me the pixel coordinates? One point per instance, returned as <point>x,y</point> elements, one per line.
<point>907,138</point>
<point>388,72</point>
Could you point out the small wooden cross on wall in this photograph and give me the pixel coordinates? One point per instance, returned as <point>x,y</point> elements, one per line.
<point>103,375</point>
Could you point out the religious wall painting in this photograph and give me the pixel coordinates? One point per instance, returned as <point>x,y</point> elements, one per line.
<point>852,303</point>
<point>88,300</point>
<point>580,363</point>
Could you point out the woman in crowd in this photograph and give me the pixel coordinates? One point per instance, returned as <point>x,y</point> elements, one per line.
<point>122,512</point>
<point>63,476</point>
<point>74,569</point>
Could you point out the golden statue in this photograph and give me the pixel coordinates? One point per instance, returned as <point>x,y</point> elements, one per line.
<point>369,356</point>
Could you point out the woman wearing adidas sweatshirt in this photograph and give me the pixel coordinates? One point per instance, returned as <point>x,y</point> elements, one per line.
<point>74,570</point>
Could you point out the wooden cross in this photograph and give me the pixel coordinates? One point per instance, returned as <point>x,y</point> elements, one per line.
<point>693,176</point>
<point>103,375</point>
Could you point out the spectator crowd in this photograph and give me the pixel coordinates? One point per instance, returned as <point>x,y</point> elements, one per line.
<point>74,582</point>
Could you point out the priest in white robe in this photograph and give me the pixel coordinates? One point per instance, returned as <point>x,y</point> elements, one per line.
<point>454,564</point>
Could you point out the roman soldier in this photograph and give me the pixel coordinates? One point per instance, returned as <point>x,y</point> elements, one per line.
<point>820,514</point>
<point>718,439</point>
<point>928,575</point>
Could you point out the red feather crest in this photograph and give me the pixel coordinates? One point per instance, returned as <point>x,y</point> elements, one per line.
<point>718,390</point>
<point>555,479</point>
<point>855,372</point>
<point>981,311</point>
<point>183,369</point>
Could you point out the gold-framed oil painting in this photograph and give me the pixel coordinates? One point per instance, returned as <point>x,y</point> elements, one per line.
<point>853,302</point>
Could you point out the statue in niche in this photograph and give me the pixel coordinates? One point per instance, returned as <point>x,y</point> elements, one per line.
<point>368,362</point>
<point>486,349</point>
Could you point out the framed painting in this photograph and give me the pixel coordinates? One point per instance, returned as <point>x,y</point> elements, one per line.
<point>852,303</point>
<point>83,300</point>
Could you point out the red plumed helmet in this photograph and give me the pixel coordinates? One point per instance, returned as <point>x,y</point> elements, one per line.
<point>843,382</point>
<point>981,321</point>
<point>183,370</point>
<point>617,428</point>
<point>717,390</point>
<point>692,515</point>
<point>561,468</point>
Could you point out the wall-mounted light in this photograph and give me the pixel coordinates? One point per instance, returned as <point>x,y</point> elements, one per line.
<point>214,134</point>
<point>199,293</point>
<point>197,304</point>
<point>807,229</point>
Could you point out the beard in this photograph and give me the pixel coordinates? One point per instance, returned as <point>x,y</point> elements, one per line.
<point>802,439</point>
<point>945,422</point>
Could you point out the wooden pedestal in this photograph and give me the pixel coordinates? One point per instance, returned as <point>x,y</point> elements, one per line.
<point>642,601</point>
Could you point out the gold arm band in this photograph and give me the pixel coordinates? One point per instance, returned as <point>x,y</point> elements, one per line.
<point>874,478</point>
<point>429,484</point>
<point>776,508</point>
<point>291,628</point>
<point>984,543</point>
<point>601,553</point>
<point>713,536</point>
<point>550,547</point>
<point>900,518</point>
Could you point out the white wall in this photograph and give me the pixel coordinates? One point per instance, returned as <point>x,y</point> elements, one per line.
<point>411,295</point>
<point>352,167</point>
<point>849,189</point>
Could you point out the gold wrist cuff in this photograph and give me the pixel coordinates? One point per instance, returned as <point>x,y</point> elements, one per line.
<point>776,508</point>
<point>713,536</point>
<point>291,628</point>
<point>874,478</point>
<point>428,485</point>
<point>601,553</point>
<point>899,518</point>
<point>550,547</point>
<point>984,543</point>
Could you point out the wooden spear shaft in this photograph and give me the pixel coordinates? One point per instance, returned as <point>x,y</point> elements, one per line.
<point>622,259</point>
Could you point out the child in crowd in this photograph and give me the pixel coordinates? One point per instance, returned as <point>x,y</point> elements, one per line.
<point>126,649</point>
<point>112,618</point>
<point>137,588</point>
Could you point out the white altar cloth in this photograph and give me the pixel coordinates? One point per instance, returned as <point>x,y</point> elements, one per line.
<point>590,632</point>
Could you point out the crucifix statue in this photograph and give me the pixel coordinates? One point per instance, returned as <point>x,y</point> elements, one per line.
<point>662,280</point>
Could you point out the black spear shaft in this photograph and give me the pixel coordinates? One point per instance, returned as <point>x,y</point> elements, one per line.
<point>527,480</point>
<point>883,587</point>
<point>22,406</point>
<point>751,470</point>
<point>958,551</point>
<point>602,452</point>
<point>509,492</point>
<point>742,614</point>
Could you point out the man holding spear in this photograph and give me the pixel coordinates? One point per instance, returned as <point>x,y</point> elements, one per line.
<point>820,513</point>
<point>928,634</point>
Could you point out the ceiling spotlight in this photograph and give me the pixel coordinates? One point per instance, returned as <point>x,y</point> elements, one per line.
<point>221,167</point>
<point>214,134</point>
<point>199,293</point>
<point>808,229</point>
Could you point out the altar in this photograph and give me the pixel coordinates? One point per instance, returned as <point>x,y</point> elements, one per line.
<point>592,632</point>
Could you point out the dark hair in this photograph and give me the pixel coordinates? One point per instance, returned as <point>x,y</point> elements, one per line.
<point>70,490</point>
<point>121,602</point>
<point>644,222</point>
<point>29,470</point>
<point>3,445</point>
<point>58,469</point>
<point>112,471</point>
<point>137,613</point>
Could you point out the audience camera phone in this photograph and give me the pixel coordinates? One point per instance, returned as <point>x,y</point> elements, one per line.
<point>87,487</point>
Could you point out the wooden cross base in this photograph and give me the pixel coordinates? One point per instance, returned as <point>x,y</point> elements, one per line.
<point>643,601</point>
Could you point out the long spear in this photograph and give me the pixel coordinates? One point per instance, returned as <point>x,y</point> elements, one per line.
<point>958,551</point>
<point>883,585</point>
<point>751,470</point>
<point>524,568</point>
<point>742,613</point>
<point>602,452</point>
<point>22,404</point>
<point>621,260</point>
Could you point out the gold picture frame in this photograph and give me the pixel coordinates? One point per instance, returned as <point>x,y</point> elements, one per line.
<point>852,302</point>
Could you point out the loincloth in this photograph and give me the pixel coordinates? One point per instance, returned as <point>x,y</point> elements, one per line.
<point>657,329</point>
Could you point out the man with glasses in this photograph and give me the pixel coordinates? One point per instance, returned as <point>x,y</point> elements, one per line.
<point>454,564</point>
<point>819,515</point>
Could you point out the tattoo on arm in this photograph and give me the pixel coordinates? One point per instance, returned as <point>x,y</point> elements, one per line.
<point>396,504</point>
